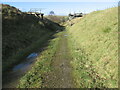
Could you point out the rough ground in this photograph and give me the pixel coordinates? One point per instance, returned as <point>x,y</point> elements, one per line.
<point>61,75</point>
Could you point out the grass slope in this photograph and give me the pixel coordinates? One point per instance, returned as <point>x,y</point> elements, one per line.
<point>57,19</point>
<point>23,34</point>
<point>94,47</point>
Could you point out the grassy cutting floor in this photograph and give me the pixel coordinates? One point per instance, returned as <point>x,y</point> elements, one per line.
<point>52,68</point>
<point>61,73</point>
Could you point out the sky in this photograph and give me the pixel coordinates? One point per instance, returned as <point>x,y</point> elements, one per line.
<point>63,8</point>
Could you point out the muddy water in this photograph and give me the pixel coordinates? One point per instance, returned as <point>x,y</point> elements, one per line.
<point>11,78</point>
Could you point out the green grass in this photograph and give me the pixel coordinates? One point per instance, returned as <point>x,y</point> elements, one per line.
<point>23,53</point>
<point>33,78</point>
<point>94,47</point>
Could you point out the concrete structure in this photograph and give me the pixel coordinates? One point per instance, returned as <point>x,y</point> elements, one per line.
<point>72,16</point>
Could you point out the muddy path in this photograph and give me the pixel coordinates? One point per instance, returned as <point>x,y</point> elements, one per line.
<point>61,74</point>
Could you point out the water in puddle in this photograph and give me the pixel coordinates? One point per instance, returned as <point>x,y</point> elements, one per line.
<point>24,65</point>
<point>11,78</point>
<point>65,35</point>
<point>32,55</point>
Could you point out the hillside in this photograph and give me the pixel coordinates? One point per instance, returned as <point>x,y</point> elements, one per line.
<point>94,47</point>
<point>23,34</point>
<point>57,19</point>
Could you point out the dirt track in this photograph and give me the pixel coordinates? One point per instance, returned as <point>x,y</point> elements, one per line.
<point>61,75</point>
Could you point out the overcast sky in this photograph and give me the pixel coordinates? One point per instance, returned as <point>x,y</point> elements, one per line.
<point>63,8</point>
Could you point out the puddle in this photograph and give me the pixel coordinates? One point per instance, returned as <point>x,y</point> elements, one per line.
<point>32,55</point>
<point>29,60</point>
<point>65,35</point>
<point>12,77</point>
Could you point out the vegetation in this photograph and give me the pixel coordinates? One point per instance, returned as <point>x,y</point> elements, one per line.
<point>92,40</point>
<point>23,34</point>
<point>57,19</point>
<point>33,78</point>
<point>94,48</point>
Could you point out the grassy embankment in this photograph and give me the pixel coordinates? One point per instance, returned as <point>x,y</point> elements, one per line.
<point>93,42</point>
<point>23,34</point>
<point>57,19</point>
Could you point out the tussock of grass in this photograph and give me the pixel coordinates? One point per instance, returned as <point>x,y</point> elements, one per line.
<point>33,79</point>
<point>94,48</point>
